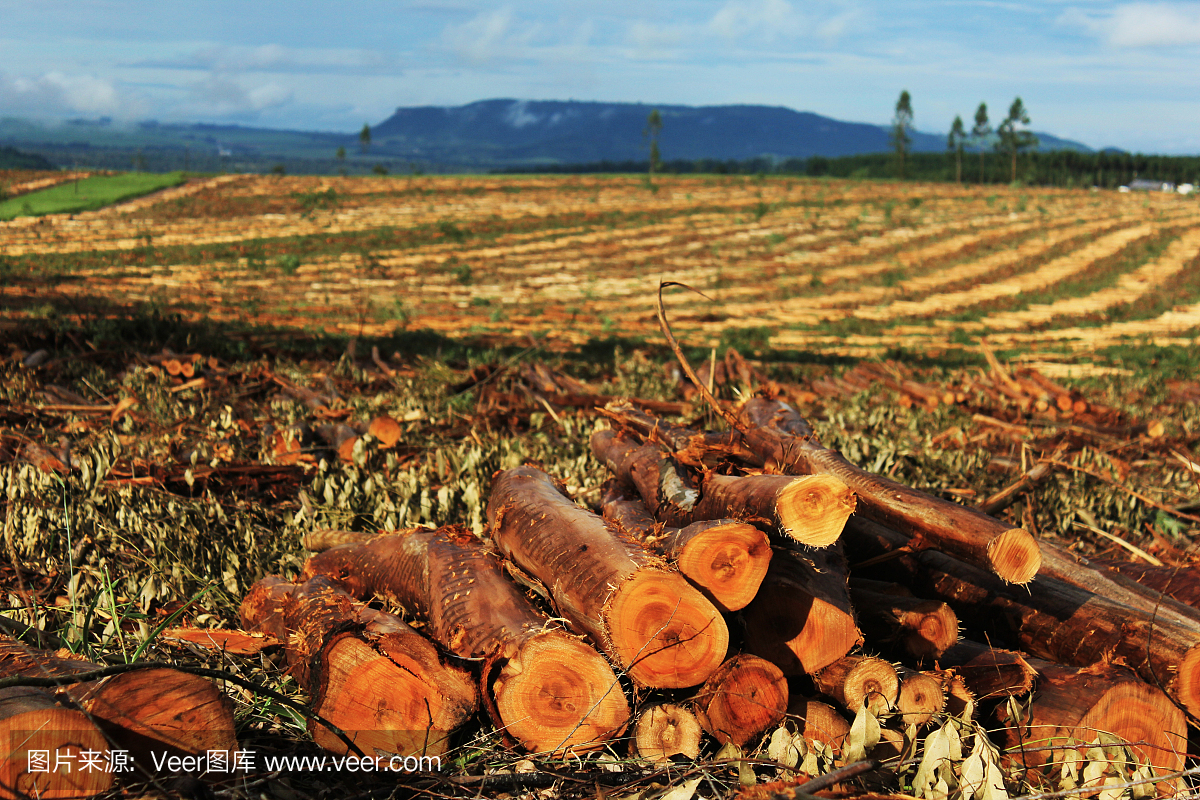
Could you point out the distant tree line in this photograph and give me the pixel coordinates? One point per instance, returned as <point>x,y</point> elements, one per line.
<point>1066,168</point>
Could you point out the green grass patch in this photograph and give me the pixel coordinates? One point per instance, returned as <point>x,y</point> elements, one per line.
<point>87,194</point>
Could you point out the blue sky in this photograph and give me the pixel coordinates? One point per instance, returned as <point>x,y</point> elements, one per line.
<point>1123,74</point>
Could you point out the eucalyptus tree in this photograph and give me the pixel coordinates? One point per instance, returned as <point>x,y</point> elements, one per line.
<point>954,143</point>
<point>901,125</point>
<point>1013,139</point>
<point>980,134</point>
<point>654,125</point>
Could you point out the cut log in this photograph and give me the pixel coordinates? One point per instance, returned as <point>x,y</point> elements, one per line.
<point>725,559</point>
<point>341,438</point>
<point>368,672</point>
<point>1050,619</point>
<point>552,692</point>
<point>1071,705</point>
<point>889,613</point>
<point>819,722</point>
<point>801,619</point>
<point>811,510</point>
<point>922,696</point>
<point>144,711</point>
<point>223,640</point>
<point>891,746</point>
<point>324,538</point>
<point>1116,585</point>
<point>855,681</point>
<point>385,430</point>
<point>990,672</point>
<point>960,702</point>
<point>42,746</point>
<point>1179,583</point>
<point>746,696</point>
<point>667,730</point>
<point>778,439</point>
<point>782,440</point>
<point>647,617</point>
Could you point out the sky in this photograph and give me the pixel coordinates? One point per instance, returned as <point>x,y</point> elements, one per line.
<point>1120,74</point>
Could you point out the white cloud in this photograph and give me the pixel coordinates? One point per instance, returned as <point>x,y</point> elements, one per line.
<point>835,27</point>
<point>56,93</point>
<point>649,38</point>
<point>1140,24</point>
<point>489,35</point>
<point>221,95</point>
<point>765,18</point>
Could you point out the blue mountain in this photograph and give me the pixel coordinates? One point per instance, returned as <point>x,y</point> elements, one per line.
<point>506,131</point>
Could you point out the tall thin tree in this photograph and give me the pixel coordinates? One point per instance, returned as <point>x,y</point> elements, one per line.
<point>364,137</point>
<point>980,134</point>
<point>1012,139</point>
<point>654,125</point>
<point>901,125</point>
<point>954,143</point>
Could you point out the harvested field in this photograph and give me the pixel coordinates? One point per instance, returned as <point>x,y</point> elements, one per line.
<point>203,388</point>
<point>820,266</point>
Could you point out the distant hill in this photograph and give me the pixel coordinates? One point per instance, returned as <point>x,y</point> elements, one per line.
<point>12,158</point>
<point>513,132</point>
<point>482,136</point>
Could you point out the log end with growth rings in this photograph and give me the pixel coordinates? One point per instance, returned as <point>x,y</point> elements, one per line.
<point>745,697</point>
<point>381,706</point>
<point>32,720</point>
<point>557,694</point>
<point>922,695</point>
<point>855,681</point>
<point>819,722</point>
<point>930,629</point>
<point>813,509</point>
<point>665,633</point>
<point>728,560</point>
<point>1186,682</point>
<point>667,730</point>
<point>1015,556</point>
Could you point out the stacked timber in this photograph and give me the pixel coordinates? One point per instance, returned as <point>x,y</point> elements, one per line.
<point>1094,648</point>
<point>723,583</point>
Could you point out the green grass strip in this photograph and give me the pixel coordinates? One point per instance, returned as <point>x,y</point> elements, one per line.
<point>87,194</point>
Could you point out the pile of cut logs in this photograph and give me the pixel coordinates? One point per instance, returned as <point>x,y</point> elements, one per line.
<point>754,573</point>
<point>718,562</point>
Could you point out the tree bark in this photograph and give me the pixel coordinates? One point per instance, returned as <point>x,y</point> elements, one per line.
<point>811,510</point>
<point>801,619</point>
<point>31,721</point>
<point>647,617</point>
<point>552,692</point>
<point>159,710</point>
<point>1050,619</point>
<point>368,672</point>
<point>745,696</point>
<point>1117,584</point>
<point>725,559</point>
<point>1179,583</point>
